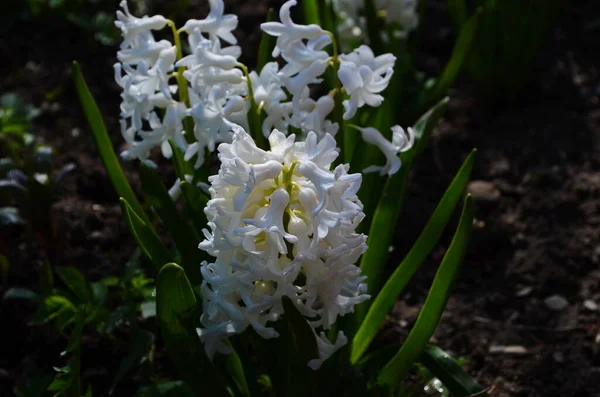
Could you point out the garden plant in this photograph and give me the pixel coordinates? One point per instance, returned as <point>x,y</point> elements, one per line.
<point>274,283</point>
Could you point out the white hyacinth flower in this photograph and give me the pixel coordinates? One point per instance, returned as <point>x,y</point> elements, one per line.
<point>216,24</point>
<point>288,32</point>
<point>402,12</point>
<point>364,76</point>
<point>282,224</point>
<point>400,15</point>
<point>132,26</point>
<point>170,128</point>
<point>327,349</point>
<point>312,115</point>
<point>270,97</point>
<point>401,142</point>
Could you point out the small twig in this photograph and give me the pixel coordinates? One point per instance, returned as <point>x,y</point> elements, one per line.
<point>482,393</point>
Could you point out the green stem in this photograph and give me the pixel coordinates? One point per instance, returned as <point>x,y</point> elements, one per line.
<point>254,116</point>
<point>182,86</point>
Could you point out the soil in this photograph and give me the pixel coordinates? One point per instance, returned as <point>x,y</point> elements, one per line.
<point>524,311</point>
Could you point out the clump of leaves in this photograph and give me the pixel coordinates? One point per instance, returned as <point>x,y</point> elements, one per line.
<point>76,306</point>
<point>508,41</point>
<point>28,181</point>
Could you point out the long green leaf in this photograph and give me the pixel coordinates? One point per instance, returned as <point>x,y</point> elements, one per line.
<point>328,18</point>
<point>195,202</point>
<point>450,373</point>
<point>289,355</point>
<point>423,129</point>
<point>389,204</point>
<point>146,237</point>
<point>425,243</point>
<point>373,26</point>
<point>461,51</point>
<point>175,307</point>
<point>140,347</point>
<point>267,43</point>
<point>182,168</point>
<point>311,12</point>
<point>184,235</point>
<point>103,143</point>
<point>366,155</point>
<point>304,339</point>
<point>241,344</point>
<point>431,313</point>
<point>231,364</point>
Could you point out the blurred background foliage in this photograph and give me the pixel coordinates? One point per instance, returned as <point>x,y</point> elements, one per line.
<point>508,41</point>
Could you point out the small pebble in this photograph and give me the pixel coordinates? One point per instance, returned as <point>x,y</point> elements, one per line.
<point>556,302</point>
<point>96,235</point>
<point>559,357</point>
<point>483,191</point>
<point>590,305</point>
<point>524,291</point>
<point>510,349</point>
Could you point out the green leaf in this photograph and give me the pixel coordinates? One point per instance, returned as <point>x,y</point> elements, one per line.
<point>458,11</point>
<point>267,43</point>
<point>146,237</point>
<point>328,18</point>
<point>431,313</point>
<point>140,348</point>
<point>460,53</point>
<point>67,381</point>
<point>183,233</point>
<point>373,26</point>
<point>77,332</point>
<point>242,346</point>
<point>231,364</point>
<point>182,167</point>
<point>304,336</point>
<point>311,12</point>
<point>76,283</point>
<point>385,300</point>
<point>195,202</point>
<point>103,143</point>
<point>389,205</point>
<point>20,293</point>
<point>54,306</point>
<point>167,389</point>
<point>287,357</point>
<point>36,382</point>
<point>423,129</point>
<point>99,293</point>
<point>366,155</point>
<point>450,373</point>
<point>175,308</point>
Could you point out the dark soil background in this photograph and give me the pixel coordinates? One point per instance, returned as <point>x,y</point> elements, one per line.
<point>537,188</point>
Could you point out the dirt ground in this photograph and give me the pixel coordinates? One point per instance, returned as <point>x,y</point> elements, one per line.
<point>524,311</point>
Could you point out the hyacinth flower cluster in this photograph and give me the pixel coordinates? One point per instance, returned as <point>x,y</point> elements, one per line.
<point>281,219</point>
<point>401,15</point>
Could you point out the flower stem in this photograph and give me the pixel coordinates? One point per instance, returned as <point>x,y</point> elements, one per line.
<point>182,87</point>
<point>254,115</point>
